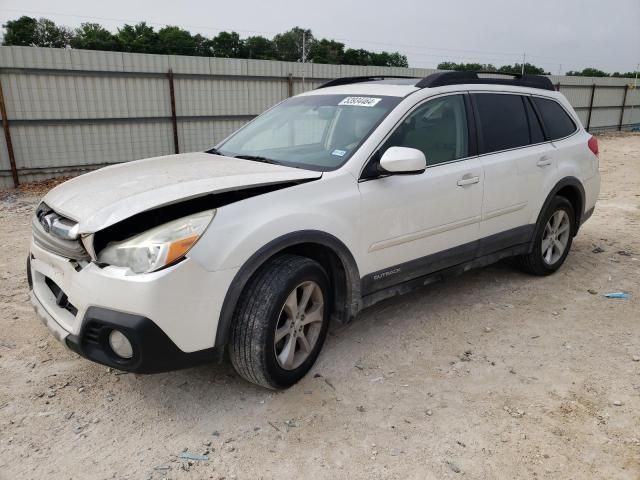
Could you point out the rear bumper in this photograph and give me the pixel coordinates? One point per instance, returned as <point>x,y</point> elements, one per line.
<point>587,215</point>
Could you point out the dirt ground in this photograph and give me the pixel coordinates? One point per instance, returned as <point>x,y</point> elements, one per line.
<point>494,374</point>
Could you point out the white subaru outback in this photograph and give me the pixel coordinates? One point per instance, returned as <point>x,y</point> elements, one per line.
<point>329,202</point>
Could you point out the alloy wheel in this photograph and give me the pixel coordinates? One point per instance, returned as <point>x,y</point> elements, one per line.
<point>555,237</point>
<point>299,325</point>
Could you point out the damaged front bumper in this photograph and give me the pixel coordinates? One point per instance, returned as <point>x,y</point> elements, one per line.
<point>170,316</point>
<point>153,351</point>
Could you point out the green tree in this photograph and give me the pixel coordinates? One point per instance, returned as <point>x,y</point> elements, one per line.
<point>467,67</point>
<point>396,59</point>
<point>28,31</point>
<point>259,47</point>
<point>175,41</point>
<point>22,31</point>
<point>92,36</point>
<point>203,47</point>
<point>48,34</point>
<point>142,38</point>
<point>326,51</point>
<point>288,45</point>
<point>487,67</point>
<point>356,57</point>
<point>626,74</point>
<point>139,38</point>
<point>528,68</point>
<point>587,72</point>
<point>227,45</point>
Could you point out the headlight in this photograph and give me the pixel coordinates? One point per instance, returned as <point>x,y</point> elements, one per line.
<point>159,246</point>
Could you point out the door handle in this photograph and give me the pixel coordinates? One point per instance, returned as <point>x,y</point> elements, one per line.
<point>468,181</point>
<point>543,161</point>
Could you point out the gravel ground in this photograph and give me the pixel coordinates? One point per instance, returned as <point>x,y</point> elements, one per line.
<point>494,374</point>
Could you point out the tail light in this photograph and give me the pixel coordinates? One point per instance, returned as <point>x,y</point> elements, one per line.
<point>593,145</point>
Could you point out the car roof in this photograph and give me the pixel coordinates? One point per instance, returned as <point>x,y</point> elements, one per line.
<point>436,83</point>
<point>391,87</point>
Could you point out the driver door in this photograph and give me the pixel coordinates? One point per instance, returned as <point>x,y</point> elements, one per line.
<point>416,224</point>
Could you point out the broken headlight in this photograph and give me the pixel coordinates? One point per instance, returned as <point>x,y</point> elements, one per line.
<point>159,246</point>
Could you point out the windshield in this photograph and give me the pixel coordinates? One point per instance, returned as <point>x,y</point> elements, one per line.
<point>316,132</point>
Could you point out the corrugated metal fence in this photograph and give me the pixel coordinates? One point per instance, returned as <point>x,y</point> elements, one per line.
<point>72,110</point>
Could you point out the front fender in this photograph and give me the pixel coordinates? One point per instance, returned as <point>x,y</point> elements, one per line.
<point>243,235</point>
<point>352,294</point>
<point>330,205</point>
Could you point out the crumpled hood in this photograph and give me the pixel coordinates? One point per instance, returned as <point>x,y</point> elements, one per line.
<point>111,194</point>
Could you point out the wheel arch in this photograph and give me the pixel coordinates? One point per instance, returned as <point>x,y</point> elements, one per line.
<point>320,246</point>
<point>572,189</point>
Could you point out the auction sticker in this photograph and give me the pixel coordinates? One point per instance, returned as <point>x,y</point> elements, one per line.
<point>360,101</point>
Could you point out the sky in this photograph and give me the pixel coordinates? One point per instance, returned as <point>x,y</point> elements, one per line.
<point>558,35</point>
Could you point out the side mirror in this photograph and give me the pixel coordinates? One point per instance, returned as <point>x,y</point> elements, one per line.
<point>403,160</point>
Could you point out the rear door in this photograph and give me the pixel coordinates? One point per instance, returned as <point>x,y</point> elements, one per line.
<point>514,157</point>
<point>566,149</point>
<point>413,225</point>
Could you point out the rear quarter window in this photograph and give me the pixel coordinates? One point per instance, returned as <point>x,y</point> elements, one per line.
<point>557,122</point>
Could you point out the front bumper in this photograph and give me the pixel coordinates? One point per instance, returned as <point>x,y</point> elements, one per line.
<point>170,316</point>
<point>153,350</point>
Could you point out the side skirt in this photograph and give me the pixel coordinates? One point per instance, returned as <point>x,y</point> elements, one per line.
<point>454,257</point>
<point>411,285</point>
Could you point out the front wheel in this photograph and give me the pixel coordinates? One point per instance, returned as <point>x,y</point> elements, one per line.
<point>554,236</point>
<point>281,322</point>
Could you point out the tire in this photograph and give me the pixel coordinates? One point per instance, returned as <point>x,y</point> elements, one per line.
<point>266,305</point>
<point>539,261</point>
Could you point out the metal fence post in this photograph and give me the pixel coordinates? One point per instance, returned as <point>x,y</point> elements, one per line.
<point>174,119</point>
<point>593,94</point>
<point>624,101</point>
<point>290,85</point>
<point>7,137</point>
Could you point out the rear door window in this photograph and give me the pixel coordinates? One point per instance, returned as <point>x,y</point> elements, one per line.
<point>502,121</point>
<point>557,121</point>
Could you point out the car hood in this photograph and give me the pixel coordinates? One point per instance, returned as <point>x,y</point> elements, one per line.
<point>106,196</point>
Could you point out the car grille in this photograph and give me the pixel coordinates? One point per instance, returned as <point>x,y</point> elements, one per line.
<point>65,248</point>
<point>92,333</point>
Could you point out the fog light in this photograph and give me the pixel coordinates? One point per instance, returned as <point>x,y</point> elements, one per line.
<point>120,344</point>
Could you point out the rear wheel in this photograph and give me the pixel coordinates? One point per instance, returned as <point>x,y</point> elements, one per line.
<point>281,322</point>
<point>554,236</point>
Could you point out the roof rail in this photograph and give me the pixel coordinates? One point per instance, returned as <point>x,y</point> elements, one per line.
<point>349,80</point>
<point>440,79</point>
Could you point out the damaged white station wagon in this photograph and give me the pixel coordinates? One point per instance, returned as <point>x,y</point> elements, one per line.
<point>330,201</point>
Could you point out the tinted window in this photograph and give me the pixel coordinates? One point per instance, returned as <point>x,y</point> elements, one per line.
<point>502,120</point>
<point>556,121</point>
<point>438,128</point>
<point>535,130</point>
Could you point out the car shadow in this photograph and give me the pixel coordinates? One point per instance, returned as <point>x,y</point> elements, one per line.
<point>218,384</point>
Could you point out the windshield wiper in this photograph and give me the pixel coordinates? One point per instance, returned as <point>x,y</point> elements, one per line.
<point>256,158</point>
<point>214,151</point>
